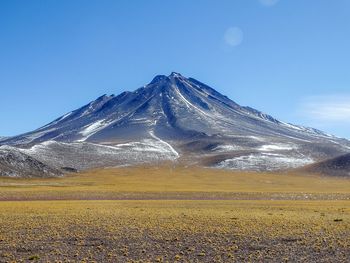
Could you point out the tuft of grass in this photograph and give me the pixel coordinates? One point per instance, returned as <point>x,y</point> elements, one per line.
<point>34,257</point>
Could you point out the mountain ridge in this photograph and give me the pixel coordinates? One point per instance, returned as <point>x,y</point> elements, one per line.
<point>164,84</point>
<point>176,118</point>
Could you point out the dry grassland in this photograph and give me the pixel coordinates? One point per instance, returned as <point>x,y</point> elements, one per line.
<point>174,183</point>
<point>207,227</point>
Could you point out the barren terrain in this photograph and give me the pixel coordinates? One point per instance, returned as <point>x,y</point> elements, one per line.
<point>175,214</point>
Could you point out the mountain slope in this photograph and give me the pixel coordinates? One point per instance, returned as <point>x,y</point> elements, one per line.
<point>172,107</point>
<point>14,163</point>
<point>85,155</point>
<point>338,166</point>
<point>3,138</point>
<point>191,121</point>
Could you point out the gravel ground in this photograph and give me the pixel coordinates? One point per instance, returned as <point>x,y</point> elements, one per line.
<point>175,231</point>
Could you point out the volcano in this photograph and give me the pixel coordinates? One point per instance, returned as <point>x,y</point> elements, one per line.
<point>178,119</point>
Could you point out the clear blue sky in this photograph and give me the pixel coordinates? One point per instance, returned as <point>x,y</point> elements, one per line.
<point>288,58</point>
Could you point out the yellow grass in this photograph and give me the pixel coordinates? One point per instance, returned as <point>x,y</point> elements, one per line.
<point>158,230</point>
<point>138,182</point>
<point>214,216</point>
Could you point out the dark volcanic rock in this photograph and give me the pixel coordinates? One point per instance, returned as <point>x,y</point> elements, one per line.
<point>338,166</point>
<point>14,163</point>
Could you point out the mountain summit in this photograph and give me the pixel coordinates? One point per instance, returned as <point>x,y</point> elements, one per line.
<point>188,120</point>
<point>171,107</point>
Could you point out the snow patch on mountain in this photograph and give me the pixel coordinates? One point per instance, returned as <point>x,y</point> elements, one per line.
<point>34,136</point>
<point>276,147</point>
<point>264,161</point>
<point>227,148</point>
<point>189,104</point>
<point>165,145</point>
<point>85,155</point>
<point>91,129</point>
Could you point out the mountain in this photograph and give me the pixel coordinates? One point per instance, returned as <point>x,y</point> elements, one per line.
<point>338,166</point>
<point>14,163</point>
<point>175,118</point>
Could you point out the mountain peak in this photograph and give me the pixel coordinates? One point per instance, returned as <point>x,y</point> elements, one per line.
<point>159,78</point>
<point>175,74</point>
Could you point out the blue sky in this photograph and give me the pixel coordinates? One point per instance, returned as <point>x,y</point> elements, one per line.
<point>288,58</point>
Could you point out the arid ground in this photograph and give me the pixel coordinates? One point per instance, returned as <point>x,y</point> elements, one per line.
<point>167,214</point>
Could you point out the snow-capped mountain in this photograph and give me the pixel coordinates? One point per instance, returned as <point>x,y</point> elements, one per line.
<point>174,117</point>
<point>172,108</point>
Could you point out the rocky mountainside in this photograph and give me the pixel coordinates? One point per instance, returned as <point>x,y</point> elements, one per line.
<point>14,163</point>
<point>338,166</point>
<point>170,107</point>
<point>175,118</point>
